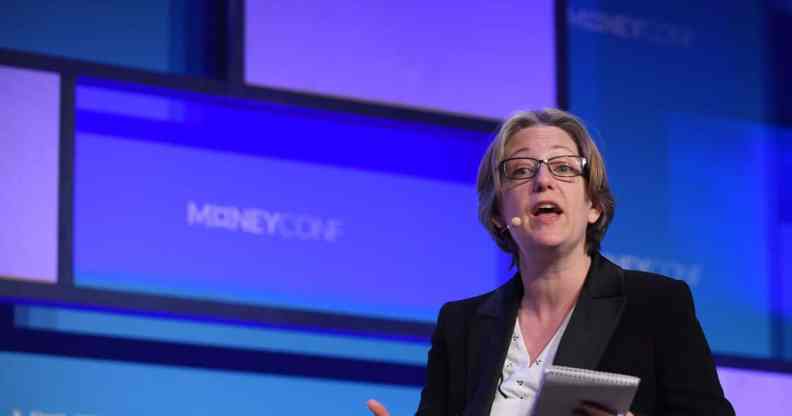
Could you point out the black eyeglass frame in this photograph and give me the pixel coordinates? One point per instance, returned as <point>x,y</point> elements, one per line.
<point>540,162</point>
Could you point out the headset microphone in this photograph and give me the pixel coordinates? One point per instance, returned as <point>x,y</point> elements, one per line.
<point>515,221</point>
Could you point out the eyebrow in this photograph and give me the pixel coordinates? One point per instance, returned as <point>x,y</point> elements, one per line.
<point>558,146</point>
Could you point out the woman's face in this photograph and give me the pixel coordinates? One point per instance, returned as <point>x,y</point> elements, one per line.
<point>554,211</point>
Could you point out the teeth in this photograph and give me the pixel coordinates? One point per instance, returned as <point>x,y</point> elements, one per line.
<point>547,207</point>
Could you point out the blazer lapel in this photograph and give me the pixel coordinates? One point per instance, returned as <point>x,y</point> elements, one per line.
<point>489,338</point>
<point>596,315</point>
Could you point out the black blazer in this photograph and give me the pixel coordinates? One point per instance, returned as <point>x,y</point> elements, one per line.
<point>625,321</point>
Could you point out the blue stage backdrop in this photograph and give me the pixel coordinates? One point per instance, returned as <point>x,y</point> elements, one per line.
<point>29,152</point>
<point>471,57</point>
<point>360,213</point>
<point>677,97</point>
<point>169,36</point>
<point>279,205</point>
<point>79,386</point>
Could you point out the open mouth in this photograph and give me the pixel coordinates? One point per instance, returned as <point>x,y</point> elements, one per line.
<point>545,209</point>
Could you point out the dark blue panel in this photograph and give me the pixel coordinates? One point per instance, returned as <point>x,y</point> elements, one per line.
<point>175,36</point>
<point>676,96</point>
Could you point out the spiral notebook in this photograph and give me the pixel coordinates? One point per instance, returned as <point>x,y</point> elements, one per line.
<point>563,388</point>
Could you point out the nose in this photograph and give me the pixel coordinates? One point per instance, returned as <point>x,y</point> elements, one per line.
<point>543,179</point>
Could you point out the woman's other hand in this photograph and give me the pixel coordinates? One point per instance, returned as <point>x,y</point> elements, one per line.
<point>376,408</point>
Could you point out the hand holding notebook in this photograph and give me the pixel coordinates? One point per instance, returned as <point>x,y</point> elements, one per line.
<point>563,389</point>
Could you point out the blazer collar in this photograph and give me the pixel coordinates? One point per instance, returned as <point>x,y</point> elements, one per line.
<point>504,299</point>
<point>491,331</point>
<point>603,281</point>
<point>591,326</point>
<point>597,313</point>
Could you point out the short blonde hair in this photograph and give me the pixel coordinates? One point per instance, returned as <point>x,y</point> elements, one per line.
<point>489,183</point>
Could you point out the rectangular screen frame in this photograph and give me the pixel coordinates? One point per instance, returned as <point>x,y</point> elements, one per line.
<point>66,294</point>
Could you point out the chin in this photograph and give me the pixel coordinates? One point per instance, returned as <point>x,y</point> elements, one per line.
<point>546,244</point>
<point>551,243</point>
<point>549,239</point>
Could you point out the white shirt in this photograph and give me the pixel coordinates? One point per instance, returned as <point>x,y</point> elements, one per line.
<point>520,380</point>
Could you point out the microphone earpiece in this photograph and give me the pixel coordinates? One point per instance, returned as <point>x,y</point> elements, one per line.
<point>515,221</point>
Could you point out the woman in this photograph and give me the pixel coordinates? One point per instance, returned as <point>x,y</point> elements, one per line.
<point>544,198</point>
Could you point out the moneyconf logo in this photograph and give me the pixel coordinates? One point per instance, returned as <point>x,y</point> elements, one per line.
<point>689,272</point>
<point>630,27</point>
<point>264,222</point>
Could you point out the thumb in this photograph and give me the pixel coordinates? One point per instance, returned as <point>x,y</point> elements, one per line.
<point>376,408</point>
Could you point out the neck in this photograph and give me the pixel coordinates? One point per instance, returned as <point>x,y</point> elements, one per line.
<point>551,283</point>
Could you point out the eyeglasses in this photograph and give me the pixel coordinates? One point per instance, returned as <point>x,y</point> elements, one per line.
<point>566,166</point>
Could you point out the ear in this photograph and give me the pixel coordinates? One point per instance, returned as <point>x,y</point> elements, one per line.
<point>496,222</point>
<point>594,213</point>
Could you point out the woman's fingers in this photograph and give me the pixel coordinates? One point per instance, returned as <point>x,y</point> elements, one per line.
<point>594,409</point>
<point>376,408</point>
